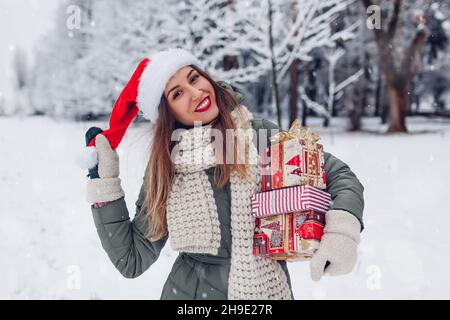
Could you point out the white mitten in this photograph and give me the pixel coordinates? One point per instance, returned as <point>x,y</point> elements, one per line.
<point>339,245</point>
<point>107,187</point>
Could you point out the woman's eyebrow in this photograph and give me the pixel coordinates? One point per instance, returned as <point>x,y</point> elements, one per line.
<point>177,86</point>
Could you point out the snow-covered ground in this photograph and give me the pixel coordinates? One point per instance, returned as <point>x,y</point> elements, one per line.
<point>50,249</point>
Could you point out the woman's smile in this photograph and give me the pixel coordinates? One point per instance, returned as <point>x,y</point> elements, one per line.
<point>204,105</point>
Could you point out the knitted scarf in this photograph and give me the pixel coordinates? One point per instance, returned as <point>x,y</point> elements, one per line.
<point>193,221</point>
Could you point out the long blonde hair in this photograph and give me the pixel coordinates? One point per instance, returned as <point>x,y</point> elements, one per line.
<point>160,169</point>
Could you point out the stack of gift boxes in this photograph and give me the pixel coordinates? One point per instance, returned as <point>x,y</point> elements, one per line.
<point>290,209</point>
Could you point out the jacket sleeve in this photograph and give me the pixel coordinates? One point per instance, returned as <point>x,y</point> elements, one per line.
<point>123,240</point>
<point>345,188</point>
<point>264,129</point>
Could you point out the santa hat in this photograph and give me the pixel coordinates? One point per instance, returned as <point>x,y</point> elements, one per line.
<point>142,92</point>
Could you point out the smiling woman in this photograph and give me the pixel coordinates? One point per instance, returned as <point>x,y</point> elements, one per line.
<point>191,97</point>
<point>204,204</point>
<point>22,23</point>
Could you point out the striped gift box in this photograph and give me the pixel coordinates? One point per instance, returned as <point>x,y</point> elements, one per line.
<point>289,200</point>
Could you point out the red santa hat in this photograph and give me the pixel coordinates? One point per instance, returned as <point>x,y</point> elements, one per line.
<point>142,92</point>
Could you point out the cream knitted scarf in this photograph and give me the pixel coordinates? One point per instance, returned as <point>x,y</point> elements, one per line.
<point>193,221</point>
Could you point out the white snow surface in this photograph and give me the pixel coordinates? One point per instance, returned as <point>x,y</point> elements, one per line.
<point>50,248</point>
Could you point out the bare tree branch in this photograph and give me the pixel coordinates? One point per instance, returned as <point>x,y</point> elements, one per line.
<point>392,27</point>
<point>408,64</point>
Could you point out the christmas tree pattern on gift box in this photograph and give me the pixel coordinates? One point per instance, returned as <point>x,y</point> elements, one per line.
<point>303,165</point>
<point>270,236</point>
<point>295,159</point>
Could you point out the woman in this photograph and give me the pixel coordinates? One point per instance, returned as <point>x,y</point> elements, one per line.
<point>204,203</point>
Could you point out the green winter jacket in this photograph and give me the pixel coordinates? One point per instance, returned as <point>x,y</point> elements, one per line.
<point>202,276</point>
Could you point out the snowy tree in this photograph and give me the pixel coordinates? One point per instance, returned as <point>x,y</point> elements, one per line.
<point>260,31</point>
<point>433,79</point>
<point>20,67</point>
<point>83,65</point>
<point>399,58</point>
<point>336,88</point>
<point>144,27</point>
<point>59,79</point>
<point>331,84</point>
<point>21,81</point>
<point>85,62</point>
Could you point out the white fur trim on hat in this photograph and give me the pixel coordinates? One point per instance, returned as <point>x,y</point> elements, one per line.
<point>162,66</point>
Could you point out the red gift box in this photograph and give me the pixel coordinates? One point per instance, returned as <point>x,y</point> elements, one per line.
<point>294,236</point>
<point>293,163</point>
<point>276,166</point>
<point>295,158</point>
<point>307,231</point>
<point>290,210</point>
<point>270,236</point>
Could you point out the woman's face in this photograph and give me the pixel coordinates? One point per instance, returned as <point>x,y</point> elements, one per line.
<point>191,97</point>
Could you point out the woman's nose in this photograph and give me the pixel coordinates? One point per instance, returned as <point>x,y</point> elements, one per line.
<point>196,94</point>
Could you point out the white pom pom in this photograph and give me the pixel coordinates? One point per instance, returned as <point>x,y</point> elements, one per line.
<point>87,158</point>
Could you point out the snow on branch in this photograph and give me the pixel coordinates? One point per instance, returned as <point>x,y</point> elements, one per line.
<point>316,107</point>
<point>312,30</point>
<point>349,80</point>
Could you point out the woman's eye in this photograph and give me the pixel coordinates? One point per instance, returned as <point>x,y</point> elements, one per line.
<point>192,80</point>
<point>176,95</point>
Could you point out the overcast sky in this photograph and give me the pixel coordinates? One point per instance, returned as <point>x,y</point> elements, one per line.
<point>22,22</point>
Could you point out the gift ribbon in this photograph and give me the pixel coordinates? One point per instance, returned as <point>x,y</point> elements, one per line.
<point>296,131</point>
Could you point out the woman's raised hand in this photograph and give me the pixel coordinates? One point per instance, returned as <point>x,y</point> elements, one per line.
<point>107,187</point>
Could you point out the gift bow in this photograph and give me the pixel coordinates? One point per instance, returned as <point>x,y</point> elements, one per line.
<point>296,131</point>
